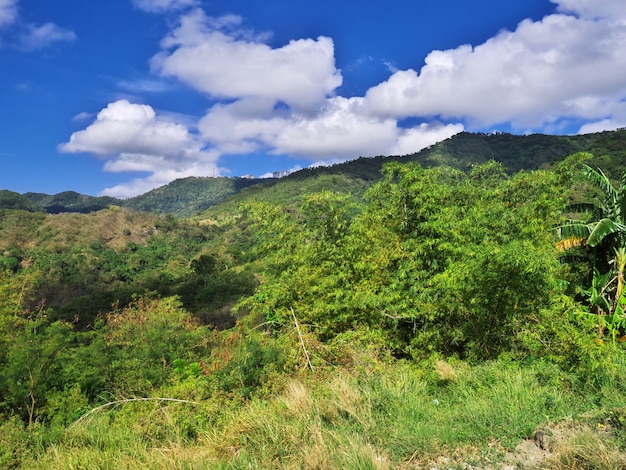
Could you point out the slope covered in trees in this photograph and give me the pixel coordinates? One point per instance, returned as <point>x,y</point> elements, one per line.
<point>190,196</point>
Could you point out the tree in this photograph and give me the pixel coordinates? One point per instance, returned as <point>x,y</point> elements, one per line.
<point>602,234</point>
<point>436,260</point>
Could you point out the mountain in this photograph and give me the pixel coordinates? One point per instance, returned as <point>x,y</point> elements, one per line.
<point>462,151</point>
<point>70,201</point>
<point>13,200</point>
<point>183,197</point>
<point>190,196</point>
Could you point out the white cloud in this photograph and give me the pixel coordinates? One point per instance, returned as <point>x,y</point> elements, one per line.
<point>163,6</point>
<point>210,55</point>
<point>133,138</point>
<point>567,68</point>
<point>603,125</point>
<point>8,12</point>
<point>339,131</point>
<point>160,176</point>
<point>422,136</point>
<point>39,37</point>
<point>144,86</point>
<point>32,37</point>
<point>529,77</point>
<point>592,8</point>
<point>278,100</point>
<point>82,116</point>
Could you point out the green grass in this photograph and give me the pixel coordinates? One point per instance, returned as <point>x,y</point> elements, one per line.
<point>382,416</point>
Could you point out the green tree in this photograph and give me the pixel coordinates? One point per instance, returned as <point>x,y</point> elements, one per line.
<point>436,260</point>
<point>602,233</point>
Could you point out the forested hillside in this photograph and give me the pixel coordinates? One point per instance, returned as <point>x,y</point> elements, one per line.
<point>436,316</point>
<point>190,196</point>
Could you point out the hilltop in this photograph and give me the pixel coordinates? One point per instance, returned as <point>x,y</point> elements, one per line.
<point>191,196</point>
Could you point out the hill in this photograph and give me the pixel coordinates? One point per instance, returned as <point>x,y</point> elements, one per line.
<point>190,196</point>
<point>462,151</point>
<point>13,200</point>
<point>183,197</point>
<point>69,201</point>
<point>430,323</point>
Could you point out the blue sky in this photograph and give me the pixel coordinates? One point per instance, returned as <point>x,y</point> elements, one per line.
<point>122,96</point>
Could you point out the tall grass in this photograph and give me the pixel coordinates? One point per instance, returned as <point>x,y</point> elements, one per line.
<point>389,416</point>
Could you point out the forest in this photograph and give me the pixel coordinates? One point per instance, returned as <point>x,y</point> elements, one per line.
<point>433,316</point>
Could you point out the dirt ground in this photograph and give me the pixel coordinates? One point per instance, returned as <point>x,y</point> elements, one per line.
<point>562,447</point>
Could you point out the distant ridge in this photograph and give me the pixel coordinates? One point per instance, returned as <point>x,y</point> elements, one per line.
<point>70,201</point>
<point>190,196</point>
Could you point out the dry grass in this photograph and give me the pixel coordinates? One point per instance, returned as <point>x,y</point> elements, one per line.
<point>584,449</point>
<point>114,227</point>
<point>297,398</point>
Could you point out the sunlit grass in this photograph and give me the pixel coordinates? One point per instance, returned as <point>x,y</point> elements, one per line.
<point>393,416</point>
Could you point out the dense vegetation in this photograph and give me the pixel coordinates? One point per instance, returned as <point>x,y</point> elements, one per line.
<point>182,197</point>
<point>190,196</point>
<point>435,318</point>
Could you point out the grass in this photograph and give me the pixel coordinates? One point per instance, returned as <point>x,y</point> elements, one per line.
<point>381,417</point>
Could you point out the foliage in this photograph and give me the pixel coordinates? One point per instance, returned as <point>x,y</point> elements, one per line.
<point>87,262</point>
<point>425,317</point>
<point>387,415</point>
<point>603,237</point>
<point>188,196</point>
<point>444,261</point>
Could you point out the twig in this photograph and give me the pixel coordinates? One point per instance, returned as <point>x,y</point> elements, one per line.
<point>128,400</point>
<point>295,320</point>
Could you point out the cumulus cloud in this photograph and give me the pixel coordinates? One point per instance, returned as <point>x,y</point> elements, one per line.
<point>566,69</point>
<point>279,100</point>
<point>163,6</point>
<point>592,8</point>
<point>563,67</point>
<point>8,12</point>
<point>39,37</point>
<point>132,137</point>
<point>338,132</point>
<point>210,55</point>
<point>342,131</point>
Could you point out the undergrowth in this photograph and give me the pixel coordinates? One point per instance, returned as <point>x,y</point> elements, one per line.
<point>379,415</point>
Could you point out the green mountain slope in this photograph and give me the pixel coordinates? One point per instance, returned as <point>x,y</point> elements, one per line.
<point>70,201</point>
<point>461,151</point>
<point>190,196</point>
<point>13,200</point>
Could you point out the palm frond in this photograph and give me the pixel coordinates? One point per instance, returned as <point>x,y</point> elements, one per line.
<point>621,195</point>
<point>603,228</point>
<point>574,229</point>
<point>573,259</point>
<point>581,207</point>
<point>598,177</point>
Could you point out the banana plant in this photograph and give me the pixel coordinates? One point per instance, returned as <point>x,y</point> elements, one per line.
<point>603,236</point>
